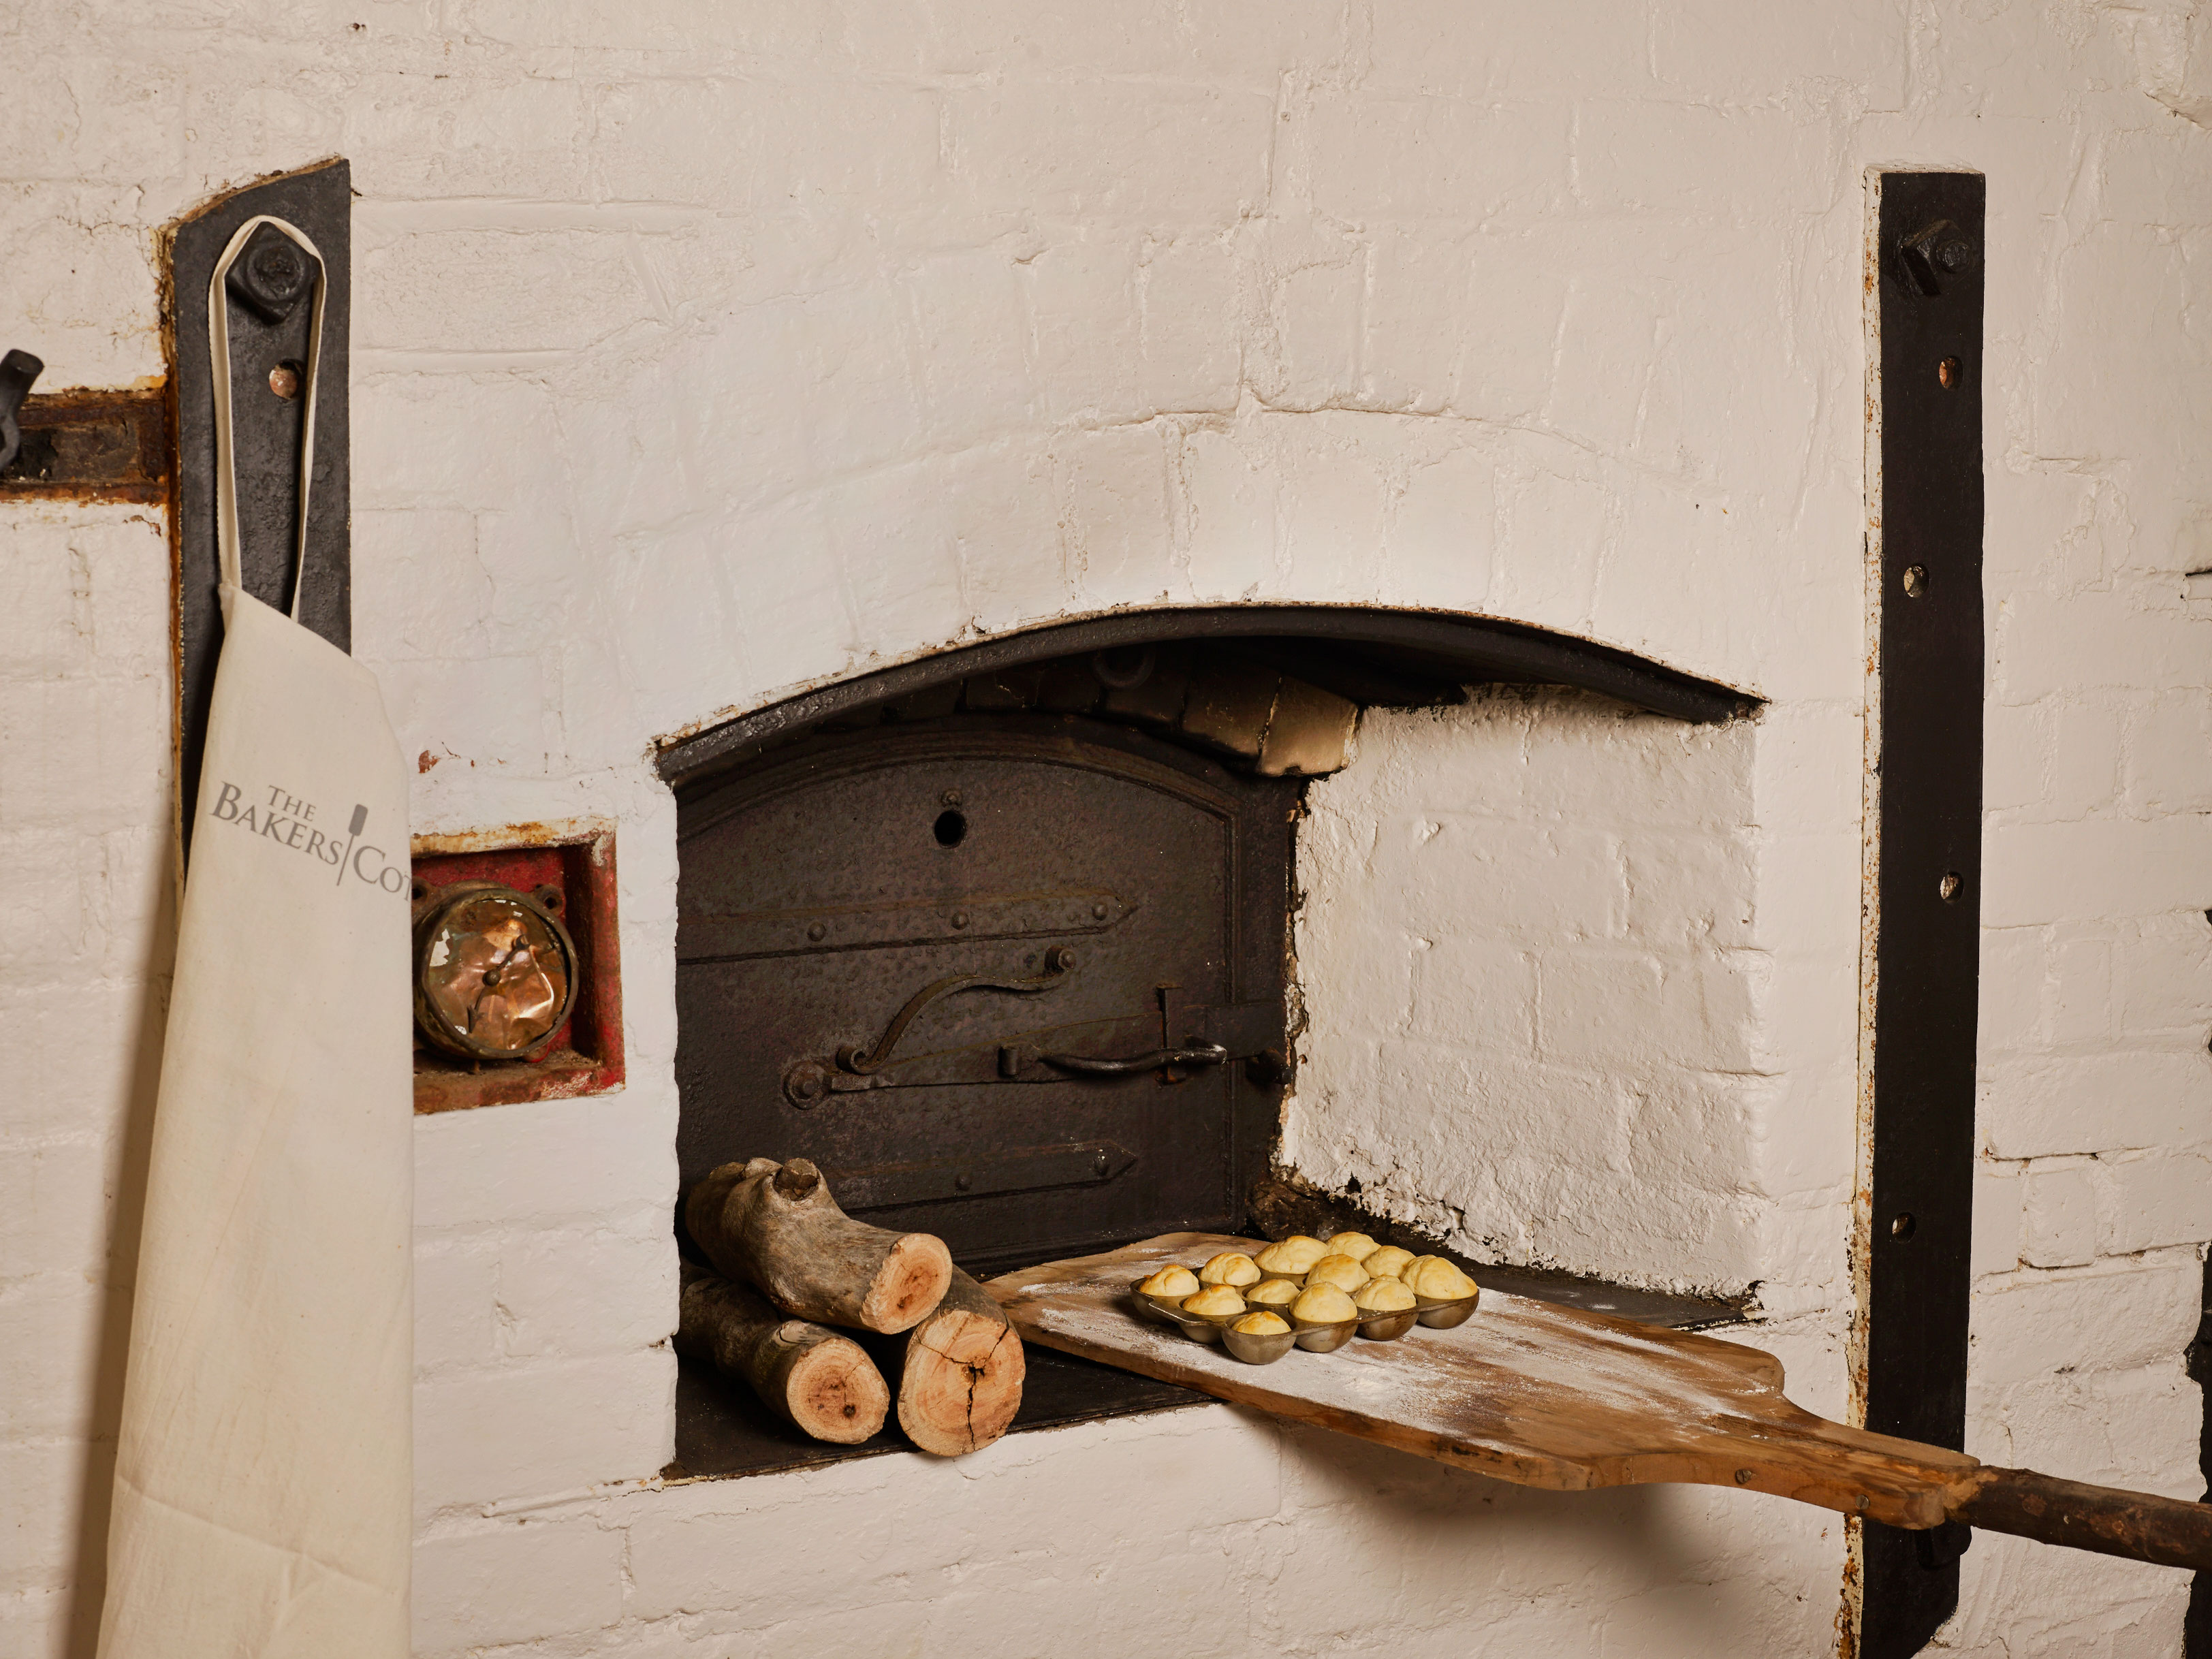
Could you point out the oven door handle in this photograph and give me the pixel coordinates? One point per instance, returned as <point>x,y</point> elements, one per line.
<point>1059,963</point>
<point>1199,1053</point>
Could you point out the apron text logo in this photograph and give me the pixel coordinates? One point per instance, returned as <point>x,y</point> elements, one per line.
<point>289,821</point>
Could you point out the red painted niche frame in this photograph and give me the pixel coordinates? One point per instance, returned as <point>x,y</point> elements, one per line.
<point>586,1054</point>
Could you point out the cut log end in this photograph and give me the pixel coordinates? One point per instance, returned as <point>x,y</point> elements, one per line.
<point>962,1382</point>
<point>913,1279</point>
<point>835,1393</point>
<point>777,1227</point>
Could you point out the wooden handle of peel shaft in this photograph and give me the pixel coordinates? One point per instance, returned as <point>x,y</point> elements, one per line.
<point>2169,1531</point>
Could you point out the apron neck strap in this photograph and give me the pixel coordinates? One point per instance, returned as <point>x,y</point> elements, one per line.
<point>226,466</point>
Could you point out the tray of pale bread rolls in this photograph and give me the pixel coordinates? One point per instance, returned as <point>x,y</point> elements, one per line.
<point>1304,1293</point>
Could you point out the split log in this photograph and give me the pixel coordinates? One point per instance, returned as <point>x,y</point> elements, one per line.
<point>960,1381</point>
<point>821,1383</point>
<point>775,1226</point>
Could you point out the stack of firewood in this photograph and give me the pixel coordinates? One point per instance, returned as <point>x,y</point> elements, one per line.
<point>785,1263</point>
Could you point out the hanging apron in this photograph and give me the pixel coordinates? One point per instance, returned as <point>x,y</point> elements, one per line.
<point>262,1481</point>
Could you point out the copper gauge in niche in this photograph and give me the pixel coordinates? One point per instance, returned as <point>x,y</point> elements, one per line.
<point>494,970</point>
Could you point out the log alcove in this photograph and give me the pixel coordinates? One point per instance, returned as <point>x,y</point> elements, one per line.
<point>928,916</point>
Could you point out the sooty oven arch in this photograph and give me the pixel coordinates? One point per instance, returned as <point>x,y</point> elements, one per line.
<point>999,938</point>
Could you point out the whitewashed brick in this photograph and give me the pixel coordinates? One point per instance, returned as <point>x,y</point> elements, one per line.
<point>110,119</point>
<point>2082,761</point>
<point>2092,871</point>
<point>1553,532</point>
<point>2051,1105</point>
<point>46,603</point>
<point>83,751</point>
<point>578,1293</point>
<point>901,562</point>
<point>420,590</point>
<point>87,290</point>
<point>1999,1219</point>
<point>2077,991</point>
<point>78,1052</point>
<point>1724,52</point>
<point>1228,505</point>
<point>2011,989</point>
<point>1116,530</point>
<point>2047,647</point>
<point>484,291</point>
<point>526,1431</point>
<point>2058,1227</point>
<point>2158,1198</point>
<point>1443,532</point>
<point>1578,48</point>
<point>2108,1319</point>
<point>527,1579</point>
<point>1004,530</point>
<point>554,1160</point>
<point>487,135</point>
<point>1316,306</point>
<point>2163,970</point>
<point>54,1204</point>
<point>50,1332</point>
<point>1447,327</point>
<point>1472,993</point>
<point>45,1483</point>
<point>1115,152</point>
<point>456,1306</point>
<point>1192,358</point>
<point>1377,158</point>
<point>2169,753</point>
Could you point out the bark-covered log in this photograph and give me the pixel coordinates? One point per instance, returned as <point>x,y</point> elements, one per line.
<point>960,1381</point>
<point>776,1227</point>
<point>821,1383</point>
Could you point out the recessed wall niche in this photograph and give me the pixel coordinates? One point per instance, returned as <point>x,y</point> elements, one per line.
<point>566,873</point>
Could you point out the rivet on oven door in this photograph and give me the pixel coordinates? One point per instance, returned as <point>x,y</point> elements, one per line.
<point>815,931</point>
<point>1916,580</point>
<point>1097,912</point>
<point>959,918</point>
<point>950,797</point>
<point>805,1083</point>
<point>964,1180</point>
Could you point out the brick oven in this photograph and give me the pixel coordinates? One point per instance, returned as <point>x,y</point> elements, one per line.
<point>1001,941</point>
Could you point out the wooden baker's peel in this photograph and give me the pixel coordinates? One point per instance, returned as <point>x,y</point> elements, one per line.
<point>1551,1396</point>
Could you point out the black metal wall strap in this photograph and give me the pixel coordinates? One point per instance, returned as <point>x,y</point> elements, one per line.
<point>1925,580</point>
<point>283,328</point>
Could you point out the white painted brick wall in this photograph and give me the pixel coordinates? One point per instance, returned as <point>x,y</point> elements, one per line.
<point>704,352</point>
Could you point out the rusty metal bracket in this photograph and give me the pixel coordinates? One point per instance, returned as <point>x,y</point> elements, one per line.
<point>91,445</point>
<point>1925,584</point>
<point>269,347</point>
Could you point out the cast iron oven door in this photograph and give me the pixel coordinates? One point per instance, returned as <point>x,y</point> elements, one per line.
<point>1017,982</point>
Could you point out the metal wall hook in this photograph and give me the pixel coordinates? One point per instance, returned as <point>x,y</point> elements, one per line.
<point>18,369</point>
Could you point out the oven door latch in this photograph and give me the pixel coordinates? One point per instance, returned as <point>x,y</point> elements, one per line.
<point>1187,1039</point>
<point>1202,1053</point>
<point>1175,1058</point>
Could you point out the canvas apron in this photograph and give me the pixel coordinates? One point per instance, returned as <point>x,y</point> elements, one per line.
<point>263,1478</point>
